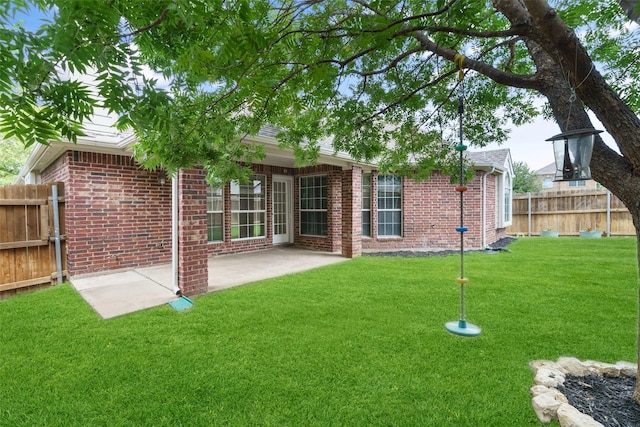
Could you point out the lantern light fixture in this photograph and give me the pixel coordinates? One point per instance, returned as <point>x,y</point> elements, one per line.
<point>572,151</point>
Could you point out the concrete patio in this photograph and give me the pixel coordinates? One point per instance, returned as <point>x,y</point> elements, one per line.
<point>113,294</point>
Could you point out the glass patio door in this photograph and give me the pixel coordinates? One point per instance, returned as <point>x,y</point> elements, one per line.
<point>282,209</point>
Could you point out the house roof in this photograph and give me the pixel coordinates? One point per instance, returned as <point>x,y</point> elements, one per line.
<point>101,137</point>
<point>550,169</point>
<point>498,160</point>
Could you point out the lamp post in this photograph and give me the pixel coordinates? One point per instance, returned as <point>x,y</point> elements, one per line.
<point>572,151</point>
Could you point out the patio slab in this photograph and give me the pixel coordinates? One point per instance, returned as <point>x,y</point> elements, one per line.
<point>233,270</point>
<point>113,294</point>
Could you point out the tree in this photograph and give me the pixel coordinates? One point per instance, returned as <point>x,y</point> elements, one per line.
<point>525,180</point>
<point>377,76</point>
<point>12,157</point>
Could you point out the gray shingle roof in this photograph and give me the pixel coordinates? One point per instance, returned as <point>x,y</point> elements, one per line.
<point>496,158</point>
<point>550,169</point>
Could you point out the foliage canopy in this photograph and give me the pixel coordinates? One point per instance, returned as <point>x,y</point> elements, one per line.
<point>525,180</point>
<point>377,77</point>
<point>12,156</point>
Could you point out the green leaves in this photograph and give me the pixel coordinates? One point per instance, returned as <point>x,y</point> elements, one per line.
<point>40,98</point>
<point>192,77</point>
<point>12,156</point>
<point>525,180</point>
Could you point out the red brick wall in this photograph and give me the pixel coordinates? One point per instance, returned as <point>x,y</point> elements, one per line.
<point>193,271</point>
<point>117,214</point>
<point>58,171</point>
<point>332,242</point>
<point>352,212</point>
<point>229,246</point>
<point>431,213</point>
<point>493,234</point>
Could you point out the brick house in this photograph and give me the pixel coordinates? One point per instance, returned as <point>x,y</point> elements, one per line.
<point>121,216</point>
<point>547,175</point>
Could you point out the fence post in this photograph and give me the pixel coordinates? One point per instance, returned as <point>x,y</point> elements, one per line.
<point>529,214</point>
<point>608,231</point>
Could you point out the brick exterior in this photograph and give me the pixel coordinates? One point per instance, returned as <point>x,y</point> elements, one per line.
<point>332,242</point>
<point>431,213</point>
<point>352,212</point>
<point>118,215</point>
<point>193,272</point>
<point>493,233</point>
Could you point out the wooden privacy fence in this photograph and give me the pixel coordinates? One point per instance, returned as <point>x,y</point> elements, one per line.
<point>32,247</point>
<point>569,212</point>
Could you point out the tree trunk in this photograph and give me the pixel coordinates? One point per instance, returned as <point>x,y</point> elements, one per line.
<point>565,69</point>
<point>636,217</point>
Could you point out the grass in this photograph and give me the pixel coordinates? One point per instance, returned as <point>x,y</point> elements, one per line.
<point>358,343</point>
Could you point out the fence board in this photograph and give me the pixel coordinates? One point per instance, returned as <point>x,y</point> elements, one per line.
<point>568,212</point>
<point>27,254</point>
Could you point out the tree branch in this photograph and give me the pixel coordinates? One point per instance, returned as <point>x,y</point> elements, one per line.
<point>498,76</point>
<point>562,44</point>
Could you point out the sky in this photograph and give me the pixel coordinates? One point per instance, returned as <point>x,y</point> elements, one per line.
<point>528,143</point>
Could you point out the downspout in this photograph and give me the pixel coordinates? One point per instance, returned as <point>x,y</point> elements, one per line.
<point>174,233</point>
<point>484,206</point>
<point>56,232</point>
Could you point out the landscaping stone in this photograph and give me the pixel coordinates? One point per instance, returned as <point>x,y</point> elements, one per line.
<point>546,404</point>
<point>549,377</point>
<point>573,365</point>
<point>628,369</point>
<point>606,389</point>
<point>568,416</point>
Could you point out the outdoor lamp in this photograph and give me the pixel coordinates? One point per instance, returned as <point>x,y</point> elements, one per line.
<point>572,151</point>
<point>162,177</point>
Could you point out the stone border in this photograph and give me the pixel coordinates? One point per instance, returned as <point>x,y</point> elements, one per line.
<point>549,404</point>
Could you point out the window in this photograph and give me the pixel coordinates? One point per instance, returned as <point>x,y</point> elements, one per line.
<point>507,199</point>
<point>215,214</point>
<point>389,205</point>
<point>577,183</point>
<point>366,204</point>
<point>547,183</point>
<point>503,200</point>
<point>313,205</point>
<point>248,208</point>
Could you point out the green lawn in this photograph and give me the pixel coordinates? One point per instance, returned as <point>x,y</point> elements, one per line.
<point>358,343</point>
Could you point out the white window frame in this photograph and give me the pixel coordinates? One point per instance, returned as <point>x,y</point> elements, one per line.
<point>236,190</point>
<point>319,204</point>
<point>210,211</point>
<point>369,198</point>
<point>504,201</point>
<point>386,209</point>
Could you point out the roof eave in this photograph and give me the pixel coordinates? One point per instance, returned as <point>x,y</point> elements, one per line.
<point>326,156</point>
<point>43,155</point>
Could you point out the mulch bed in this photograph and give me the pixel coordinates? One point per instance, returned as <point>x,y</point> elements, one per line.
<point>500,245</point>
<point>608,400</point>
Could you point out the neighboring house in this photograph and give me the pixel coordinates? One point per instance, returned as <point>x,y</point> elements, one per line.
<point>120,216</point>
<point>547,174</point>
